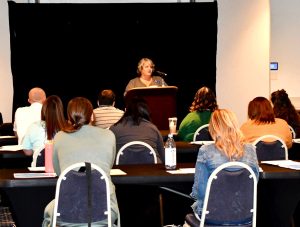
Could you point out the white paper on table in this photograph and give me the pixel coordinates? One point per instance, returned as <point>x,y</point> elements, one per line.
<point>187,170</point>
<point>202,142</point>
<point>182,171</point>
<point>284,163</point>
<point>34,175</point>
<point>11,148</point>
<point>7,137</point>
<point>112,171</point>
<point>38,168</point>
<point>117,172</point>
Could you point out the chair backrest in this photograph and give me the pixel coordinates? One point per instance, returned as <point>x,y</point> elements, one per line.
<point>82,196</point>
<point>202,134</point>
<point>293,132</point>
<point>275,150</point>
<point>230,196</point>
<point>136,152</point>
<point>38,158</point>
<point>6,129</point>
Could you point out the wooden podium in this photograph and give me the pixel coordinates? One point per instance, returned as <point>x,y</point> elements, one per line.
<point>161,102</point>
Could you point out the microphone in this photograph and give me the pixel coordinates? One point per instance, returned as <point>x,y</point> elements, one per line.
<point>159,73</point>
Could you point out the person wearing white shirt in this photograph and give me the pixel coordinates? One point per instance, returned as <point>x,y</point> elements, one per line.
<point>25,116</point>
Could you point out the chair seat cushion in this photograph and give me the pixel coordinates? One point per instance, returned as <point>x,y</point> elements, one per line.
<point>192,220</point>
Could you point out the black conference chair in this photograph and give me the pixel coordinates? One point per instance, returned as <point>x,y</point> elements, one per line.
<point>82,196</point>
<point>202,134</point>
<point>230,198</point>
<point>6,219</point>
<point>294,136</point>
<point>38,159</point>
<point>136,152</point>
<point>270,147</point>
<point>6,129</point>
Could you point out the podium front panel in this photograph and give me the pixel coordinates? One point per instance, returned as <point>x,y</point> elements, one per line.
<point>161,102</point>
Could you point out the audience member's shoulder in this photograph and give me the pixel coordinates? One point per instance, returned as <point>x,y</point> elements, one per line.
<point>38,124</point>
<point>121,111</point>
<point>249,147</point>
<point>102,131</point>
<point>246,123</point>
<point>281,121</point>
<point>59,135</point>
<point>150,124</point>
<point>23,108</point>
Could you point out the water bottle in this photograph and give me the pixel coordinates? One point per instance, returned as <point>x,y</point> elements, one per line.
<point>170,153</point>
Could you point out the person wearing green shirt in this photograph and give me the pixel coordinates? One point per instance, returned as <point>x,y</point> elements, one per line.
<point>203,105</point>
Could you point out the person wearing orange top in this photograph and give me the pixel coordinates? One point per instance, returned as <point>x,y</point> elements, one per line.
<point>262,121</point>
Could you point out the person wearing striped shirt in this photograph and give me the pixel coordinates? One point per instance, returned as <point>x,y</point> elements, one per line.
<point>106,114</point>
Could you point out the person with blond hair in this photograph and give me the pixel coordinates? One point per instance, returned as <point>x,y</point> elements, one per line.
<point>25,116</point>
<point>229,145</point>
<point>203,105</point>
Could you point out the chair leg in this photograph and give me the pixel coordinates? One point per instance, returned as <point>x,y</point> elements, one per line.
<point>161,210</point>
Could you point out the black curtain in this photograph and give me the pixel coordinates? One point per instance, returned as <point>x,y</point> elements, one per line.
<point>78,49</point>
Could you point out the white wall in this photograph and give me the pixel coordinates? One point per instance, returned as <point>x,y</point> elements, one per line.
<point>242,55</point>
<point>6,86</point>
<point>285,33</point>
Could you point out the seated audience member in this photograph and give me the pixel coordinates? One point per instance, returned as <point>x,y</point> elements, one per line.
<point>200,111</point>
<point>284,109</point>
<point>261,121</point>
<point>107,114</point>
<point>145,78</point>
<point>52,121</point>
<point>135,124</point>
<point>229,146</point>
<point>24,116</point>
<point>79,141</point>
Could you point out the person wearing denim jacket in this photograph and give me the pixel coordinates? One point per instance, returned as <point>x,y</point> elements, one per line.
<point>229,146</point>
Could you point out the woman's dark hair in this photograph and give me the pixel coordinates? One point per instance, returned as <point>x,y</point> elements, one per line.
<point>260,110</point>
<point>136,109</point>
<point>53,115</point>
<point>204,99</point>
<point>80,111</point>
<point>283,107</point>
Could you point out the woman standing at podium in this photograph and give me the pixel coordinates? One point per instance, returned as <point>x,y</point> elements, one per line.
<point>145,78</point>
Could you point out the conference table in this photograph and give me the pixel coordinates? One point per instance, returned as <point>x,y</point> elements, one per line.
<point>8,140</point>
<point>186,152</point>
<point>11,154</point>
<point>279,188</point>
<point>28,197</point>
